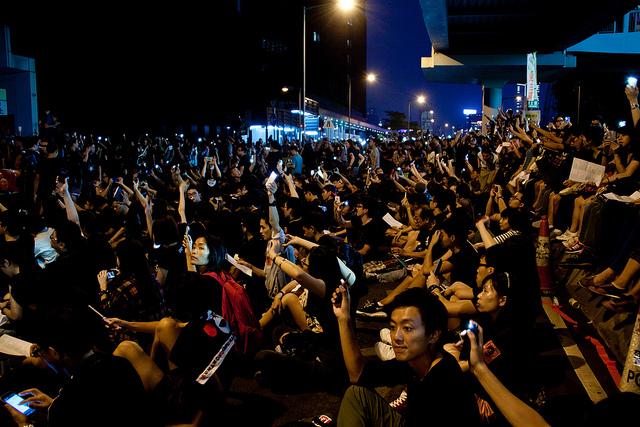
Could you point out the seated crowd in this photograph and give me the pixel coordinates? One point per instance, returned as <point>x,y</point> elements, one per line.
<point>156,271</point>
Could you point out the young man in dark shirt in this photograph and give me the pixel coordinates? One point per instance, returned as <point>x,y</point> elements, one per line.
<point>436,391</point>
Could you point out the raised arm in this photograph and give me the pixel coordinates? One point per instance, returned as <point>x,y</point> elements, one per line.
<point>274,218</point>
<point>353,358</point>
<point>632,96</point>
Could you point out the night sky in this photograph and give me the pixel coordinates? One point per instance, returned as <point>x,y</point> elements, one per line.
<point>109,65</point>
<point>397,39</point>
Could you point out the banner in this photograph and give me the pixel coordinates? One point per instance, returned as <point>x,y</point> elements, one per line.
<point>532,82</point>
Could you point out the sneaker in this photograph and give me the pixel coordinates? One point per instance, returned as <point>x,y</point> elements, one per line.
<point>372,309</point>
<point>400,402</point>
<point>369,275</point>
<point>575,249</point>
<point>385,335</point>
<point>585,260</point>
<point>554,233</point>
<point>567,235</point>
<point>622,304</point>
<point>572,241</point>
<point>608,290</point>
<point>384,351</point>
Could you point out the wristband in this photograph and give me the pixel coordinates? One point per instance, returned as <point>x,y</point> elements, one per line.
<point>432,287</point>
<point>634,106</point>
<point>103,292</point>
<point>272,204</point>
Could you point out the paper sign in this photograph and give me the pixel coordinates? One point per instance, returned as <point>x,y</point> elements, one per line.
<point>14,346</point>
<point>583,171</point>
<point>392,221</point>
<point>246,270</point>
<point>624,199</point>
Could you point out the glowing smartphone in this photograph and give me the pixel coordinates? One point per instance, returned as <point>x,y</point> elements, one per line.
<point>15,401</point>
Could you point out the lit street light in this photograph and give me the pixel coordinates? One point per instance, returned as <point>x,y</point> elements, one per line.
<point>370,78</point>
<point>421,99</point>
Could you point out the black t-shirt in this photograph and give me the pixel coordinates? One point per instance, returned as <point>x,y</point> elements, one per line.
<point>465,263</point>
<point>105,390</point>
<point>442,397</point>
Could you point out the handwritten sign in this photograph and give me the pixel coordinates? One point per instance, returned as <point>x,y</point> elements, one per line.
<point>583,171</point>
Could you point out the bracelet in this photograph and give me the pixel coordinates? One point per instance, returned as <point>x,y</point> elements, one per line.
<point>432,287</point>
<point>103,292</point>
<point>634,106</point>
<point>272,204</point>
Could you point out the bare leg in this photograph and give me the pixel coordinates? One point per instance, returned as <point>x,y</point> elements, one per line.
<point>584,203</point>
<point>575,215</point>
<point>292,303</point>
<point>630,271</point>
<point>149,372</point>
<point>408,282</point>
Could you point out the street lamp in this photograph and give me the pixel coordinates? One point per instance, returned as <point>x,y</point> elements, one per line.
<point>370,78</point>
<point>420,100</point>
<point>344,5</point>
<point>286,89</point>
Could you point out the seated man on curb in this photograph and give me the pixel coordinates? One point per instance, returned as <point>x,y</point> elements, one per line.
<point>436,394</point>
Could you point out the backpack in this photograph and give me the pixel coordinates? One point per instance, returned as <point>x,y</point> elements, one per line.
<point>237,310</point>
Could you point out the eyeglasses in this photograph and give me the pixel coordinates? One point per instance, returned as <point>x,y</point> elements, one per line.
<point>359,206</point>
<point>514,197</point>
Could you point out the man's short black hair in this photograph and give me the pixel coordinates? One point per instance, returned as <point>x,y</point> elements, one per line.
<point>296,206</point>
<point>314,219</point>
<point>433,312</point>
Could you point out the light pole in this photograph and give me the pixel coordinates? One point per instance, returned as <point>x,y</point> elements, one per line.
<point>287,89</point>
<point>420,100</point>
<point>370,78</point>
<point>344,5</point>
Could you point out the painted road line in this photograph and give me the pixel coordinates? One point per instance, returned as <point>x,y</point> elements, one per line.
<point>583,370</point>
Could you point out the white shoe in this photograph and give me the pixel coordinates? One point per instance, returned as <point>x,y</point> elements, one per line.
<point>572,241</point>
<point>384,351</point>
<point>385,335</point>
<point>567,235</point>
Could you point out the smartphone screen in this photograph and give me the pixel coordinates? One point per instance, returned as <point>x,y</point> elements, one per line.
<point>437,269</point>
<point>14,400</point>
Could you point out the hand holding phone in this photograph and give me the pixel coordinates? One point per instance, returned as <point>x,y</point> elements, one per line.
<point>18,403</point>
<point>436,270</point>
<point>466,344</point>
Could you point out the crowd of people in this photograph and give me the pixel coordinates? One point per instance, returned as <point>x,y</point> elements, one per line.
<point>157,270</point>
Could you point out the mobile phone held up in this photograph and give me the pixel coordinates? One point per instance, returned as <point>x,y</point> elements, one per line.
<point>466,344</point>
<point>15,400</point>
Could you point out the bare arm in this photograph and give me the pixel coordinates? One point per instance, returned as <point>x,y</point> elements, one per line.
<point>353,358</point>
